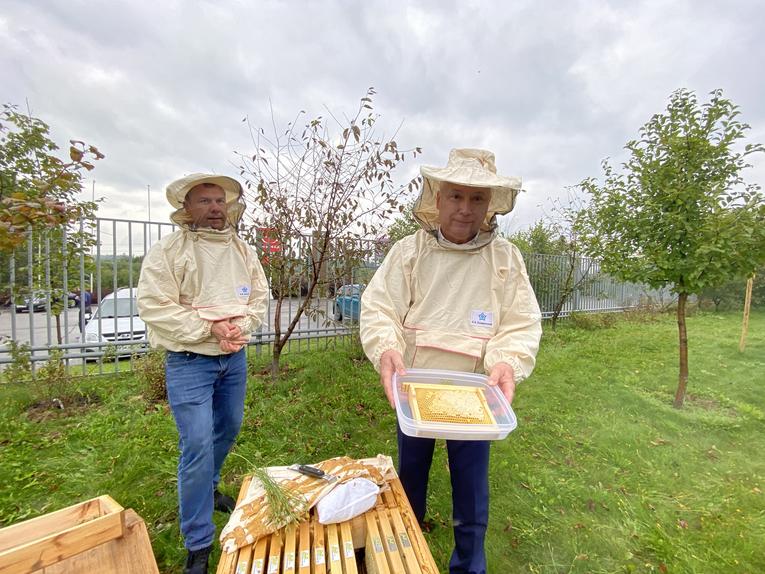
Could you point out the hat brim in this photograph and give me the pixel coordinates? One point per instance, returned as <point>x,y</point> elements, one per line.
<point>179,189</point>
<point>504,191</point>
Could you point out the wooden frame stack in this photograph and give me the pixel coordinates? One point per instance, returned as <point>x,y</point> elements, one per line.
<point>384,540</point>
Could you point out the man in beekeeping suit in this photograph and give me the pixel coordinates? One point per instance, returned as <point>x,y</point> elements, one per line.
<point>454,296</point>
<point>201,293</point>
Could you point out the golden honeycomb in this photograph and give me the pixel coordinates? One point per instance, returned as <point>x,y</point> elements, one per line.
<point>449,404</point>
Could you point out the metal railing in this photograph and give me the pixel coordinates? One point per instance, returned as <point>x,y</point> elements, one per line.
<point>104,258</point>
<point>578,285</point>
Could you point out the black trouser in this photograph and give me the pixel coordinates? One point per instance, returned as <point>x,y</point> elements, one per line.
<point>469,470</point>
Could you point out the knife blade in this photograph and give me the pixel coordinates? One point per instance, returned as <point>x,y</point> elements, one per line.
<point>312,471</point>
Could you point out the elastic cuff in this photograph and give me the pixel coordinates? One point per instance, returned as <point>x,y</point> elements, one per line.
<point>243,323</point>
<point>518,374</point>
<point>380,351</point>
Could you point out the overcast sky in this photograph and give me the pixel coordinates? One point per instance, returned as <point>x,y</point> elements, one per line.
<point>551,88</point>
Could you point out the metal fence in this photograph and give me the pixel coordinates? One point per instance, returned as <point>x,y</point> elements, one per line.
<point>44,310</point>
<point>577,284</point>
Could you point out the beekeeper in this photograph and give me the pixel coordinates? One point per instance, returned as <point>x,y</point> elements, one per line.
<point>454,296</point>
<point>201,293</point>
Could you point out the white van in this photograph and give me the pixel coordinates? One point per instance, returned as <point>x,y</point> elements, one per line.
<point>116,321</point>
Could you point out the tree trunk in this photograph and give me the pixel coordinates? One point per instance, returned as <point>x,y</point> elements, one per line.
<point>683,379</point>
<point>59,338</point>
<point>278,343</point>
<point>569,286</point>
<point>275,358</point>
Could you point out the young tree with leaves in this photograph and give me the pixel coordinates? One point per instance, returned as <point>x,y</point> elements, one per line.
<point>680,214</point>
<point>38,203</point>
<point>543,238</point>
<point>38,189</point>
<point>329,183</point>
<point>405,224</point>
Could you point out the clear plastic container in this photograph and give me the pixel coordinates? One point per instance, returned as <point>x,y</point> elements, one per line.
<point>501,412</point>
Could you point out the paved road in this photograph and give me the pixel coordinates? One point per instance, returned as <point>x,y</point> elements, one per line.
<point>43,328</point>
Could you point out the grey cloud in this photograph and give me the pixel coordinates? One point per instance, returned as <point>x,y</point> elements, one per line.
<point>552,89</point>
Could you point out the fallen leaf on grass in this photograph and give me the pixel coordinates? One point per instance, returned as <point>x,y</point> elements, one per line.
<point>579,526</point>
<point>659,442</point>
<point>682,523</point>
<point>663,568</point>
<point>514,543</point>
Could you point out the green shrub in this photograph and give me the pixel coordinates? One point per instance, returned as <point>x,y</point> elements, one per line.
<point>642,314</point>
<point>592,321</point>
<point>20,368</point>
<point>51,385</point>
<point>149,369</point>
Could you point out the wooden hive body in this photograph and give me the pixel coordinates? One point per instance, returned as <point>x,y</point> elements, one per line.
<point>96,535</point>
<point>386,539</point>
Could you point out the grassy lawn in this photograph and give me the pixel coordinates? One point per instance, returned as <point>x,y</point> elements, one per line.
<point>602,474</point>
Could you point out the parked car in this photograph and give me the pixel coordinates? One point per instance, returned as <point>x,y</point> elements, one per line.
<point>38,301</point>
<point>116,321</point>
<point>348,302</point>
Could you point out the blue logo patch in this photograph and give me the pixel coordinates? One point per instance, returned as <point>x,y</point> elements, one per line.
<point>480,318</point>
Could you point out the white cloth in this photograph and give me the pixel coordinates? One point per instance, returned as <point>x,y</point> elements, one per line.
<point>347,501</point>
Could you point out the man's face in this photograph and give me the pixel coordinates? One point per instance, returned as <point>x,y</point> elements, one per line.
<point>206,205</point>
<point>461,210</point>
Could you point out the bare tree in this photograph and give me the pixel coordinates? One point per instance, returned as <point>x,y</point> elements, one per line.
<point>556,264</point>
<point>575,271</point>
<point>318,190</point>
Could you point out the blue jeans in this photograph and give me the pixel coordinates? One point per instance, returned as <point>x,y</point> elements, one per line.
<point>469,471</point>
<point>206,396</point>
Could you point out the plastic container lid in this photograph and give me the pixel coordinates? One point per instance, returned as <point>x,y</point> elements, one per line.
<point>417,416</point>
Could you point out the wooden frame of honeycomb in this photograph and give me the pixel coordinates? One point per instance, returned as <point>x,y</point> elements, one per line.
<point>449,404</point>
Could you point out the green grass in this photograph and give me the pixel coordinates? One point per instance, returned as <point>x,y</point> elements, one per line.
<point>602,474</point>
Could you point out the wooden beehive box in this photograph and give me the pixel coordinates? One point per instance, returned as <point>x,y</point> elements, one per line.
<point>384,540</point>
<point>94,535</point>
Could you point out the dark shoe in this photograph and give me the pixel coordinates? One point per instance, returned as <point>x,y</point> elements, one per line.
<point>223,502</point>
<point>196,562</point>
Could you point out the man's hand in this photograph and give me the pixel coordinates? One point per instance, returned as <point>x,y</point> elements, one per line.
<point>390,362</point>
<point>229,336</point>
<point>233,345</point>
<point>225,330</point>
<point>503,375</point>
